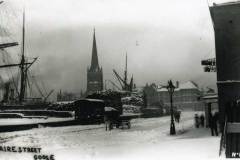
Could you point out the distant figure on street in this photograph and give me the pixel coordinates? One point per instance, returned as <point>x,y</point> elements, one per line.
<point>202,120</point>
<point>215,123</point>
<point>107,122</point>
<point>177,115</point>
<point>197,121</point>
<point>213,120</point>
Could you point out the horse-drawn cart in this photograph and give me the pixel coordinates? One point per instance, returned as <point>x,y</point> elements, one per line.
<point>113,119</point>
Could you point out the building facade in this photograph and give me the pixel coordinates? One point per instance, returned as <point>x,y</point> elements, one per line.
<point>186,96</point>
<point>94,72</point>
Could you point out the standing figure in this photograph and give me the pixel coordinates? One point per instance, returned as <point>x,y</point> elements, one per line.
<point>196,120</point>
<point>178,116</point>
<point>215,123</point>
<point>202,120</point>
<point>211,123</point>
<point>107,122</point>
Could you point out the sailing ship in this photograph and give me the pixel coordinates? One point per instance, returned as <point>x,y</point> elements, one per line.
<point>15,93</point>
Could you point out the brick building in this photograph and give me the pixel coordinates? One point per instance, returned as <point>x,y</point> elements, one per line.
<point>186,96</point>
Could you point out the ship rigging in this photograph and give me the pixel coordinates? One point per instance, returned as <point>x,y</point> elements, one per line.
<point>24,66</point>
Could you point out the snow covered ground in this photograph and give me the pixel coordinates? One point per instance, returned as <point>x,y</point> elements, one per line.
<point>147,139</point>
<point>15,121</point>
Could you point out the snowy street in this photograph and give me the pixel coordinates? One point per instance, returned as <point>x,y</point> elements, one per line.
<point>15,121</point>
<point>147,139</point>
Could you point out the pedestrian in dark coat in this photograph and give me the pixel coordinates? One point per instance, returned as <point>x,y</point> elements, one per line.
<point>215,123</point>
<point>196,120</point>
<point>202,120</point>
<point>213,120</point>
<point>177,115</point>
<point>211,123</point>
<point>106,121</point>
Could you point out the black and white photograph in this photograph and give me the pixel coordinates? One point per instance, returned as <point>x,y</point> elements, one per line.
<point>119,79</point>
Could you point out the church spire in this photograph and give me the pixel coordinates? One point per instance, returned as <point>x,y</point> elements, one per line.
<point>94,62</point>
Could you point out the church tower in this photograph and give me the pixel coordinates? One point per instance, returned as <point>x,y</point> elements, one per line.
<point>94,73</point>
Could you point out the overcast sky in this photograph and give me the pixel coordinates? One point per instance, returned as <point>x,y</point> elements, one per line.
<point>173,37</point>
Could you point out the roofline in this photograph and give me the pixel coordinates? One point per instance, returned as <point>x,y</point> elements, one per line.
<point>224,4</point>
<point>210,97</point>
<point>90,100</point>
<point>178,89</point>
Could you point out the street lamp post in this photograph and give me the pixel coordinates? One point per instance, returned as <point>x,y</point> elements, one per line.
<point>170,88</point>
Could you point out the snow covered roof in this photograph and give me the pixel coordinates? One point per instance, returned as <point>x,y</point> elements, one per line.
<point>186,85</point>
<point>213,96</point>
<point>162,90</point>
<point>91,100</point>
<point>109,109</point>
<point>225,3</point>
<point>64,102</point>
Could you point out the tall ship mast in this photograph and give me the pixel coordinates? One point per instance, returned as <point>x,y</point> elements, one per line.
<point>125,85</point>
<point>24,65</point>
